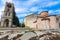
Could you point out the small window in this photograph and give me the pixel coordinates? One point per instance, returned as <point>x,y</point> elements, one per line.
<point>9,5</point>
<point>6,23</point>
<point>7,14</point>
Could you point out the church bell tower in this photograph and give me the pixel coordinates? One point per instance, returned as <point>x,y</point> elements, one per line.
<point>7,17</point>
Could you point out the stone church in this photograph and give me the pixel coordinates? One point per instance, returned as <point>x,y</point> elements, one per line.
<point>42,21</point>
<point>9,16</point>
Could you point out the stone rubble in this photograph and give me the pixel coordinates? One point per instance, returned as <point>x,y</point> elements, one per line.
<point>28,35</point>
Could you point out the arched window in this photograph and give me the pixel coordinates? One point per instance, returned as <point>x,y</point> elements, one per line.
<point>6,23</point>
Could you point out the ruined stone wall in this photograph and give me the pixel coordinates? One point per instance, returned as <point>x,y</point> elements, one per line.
<point>58,19</point>
<point>53,22</point>
<point>47,24</point>
<point>29,21</point>
<point>42,24</point>
<point>0,23</point>
<point>37,23</point>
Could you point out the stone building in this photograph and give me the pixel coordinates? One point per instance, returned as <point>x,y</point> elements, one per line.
<point>9,16</point>
<point>0,23</point>
<point>41,21</point>
<point>58,19</point>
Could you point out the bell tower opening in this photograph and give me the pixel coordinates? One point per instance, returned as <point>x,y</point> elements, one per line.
<point>6,23</point>
<point>8,10</point>
<point>7,14</point>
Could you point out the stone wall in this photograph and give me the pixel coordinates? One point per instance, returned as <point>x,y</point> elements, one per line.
<point>29,21</point>
<point>41,22</point>
<point>0,23</point>
<point>48,24</point>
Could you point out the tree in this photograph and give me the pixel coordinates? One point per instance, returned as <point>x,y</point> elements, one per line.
<point>22,25</point>
<point>16,21</point>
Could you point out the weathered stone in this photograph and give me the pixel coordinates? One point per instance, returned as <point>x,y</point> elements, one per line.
<point>9,17</point>
<point>41,21</point>
<point>27,36</point>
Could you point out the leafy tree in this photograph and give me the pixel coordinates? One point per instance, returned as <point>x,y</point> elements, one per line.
<point>16,21</point>
<point>22,25</point>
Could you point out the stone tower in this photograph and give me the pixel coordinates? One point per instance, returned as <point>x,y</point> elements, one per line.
<point>8,16</point>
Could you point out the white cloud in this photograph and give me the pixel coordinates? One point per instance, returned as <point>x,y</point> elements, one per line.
<point>1,11</point>
<point>34,9</point>
<point>54,12</point>
<point>4,1</point>
<point>44,3</point>
<point>23,15</point>
<point>53,3</point>
<point>57,10</point>
<point>20,10</point>
<point>28,3</point>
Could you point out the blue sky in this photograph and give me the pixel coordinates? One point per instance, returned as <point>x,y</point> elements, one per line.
<point>27,7</point>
